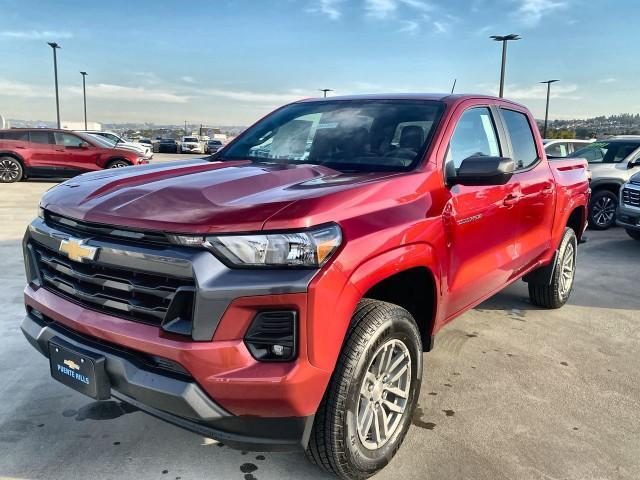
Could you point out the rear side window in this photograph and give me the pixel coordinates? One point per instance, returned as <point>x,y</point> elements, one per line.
<point>36,136</point>
<point>522,141</point>
<point>557,150</point>
<point>21,135</point>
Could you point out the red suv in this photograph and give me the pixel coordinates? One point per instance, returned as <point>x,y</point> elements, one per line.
<point>56,153</point>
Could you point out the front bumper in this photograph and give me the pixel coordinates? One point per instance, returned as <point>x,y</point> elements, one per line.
<point>173,397</point>
<point>628,217</point>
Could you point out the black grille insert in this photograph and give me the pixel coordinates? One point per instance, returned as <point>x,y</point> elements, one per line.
<point>631,196</point>
<point>138,296</point>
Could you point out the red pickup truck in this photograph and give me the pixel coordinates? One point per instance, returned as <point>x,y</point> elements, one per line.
<point>280,293</point>
<point>46,152</point>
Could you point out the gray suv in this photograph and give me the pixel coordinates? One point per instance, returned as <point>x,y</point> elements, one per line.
<point>629,210</point>
<point>612,162</point>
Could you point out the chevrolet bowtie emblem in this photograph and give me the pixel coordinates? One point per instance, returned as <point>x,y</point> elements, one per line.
<point>77,250</point>
<point>71,364</point>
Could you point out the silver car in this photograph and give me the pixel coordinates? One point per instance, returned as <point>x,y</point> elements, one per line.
<point>628,215</point>
<point>612,162</point>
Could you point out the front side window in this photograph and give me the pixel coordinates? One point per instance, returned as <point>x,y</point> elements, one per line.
<point>523,143</point>
<point>68,140</point>
<point>352,135</point>
<point>475,135</point>
<point>606,152</point>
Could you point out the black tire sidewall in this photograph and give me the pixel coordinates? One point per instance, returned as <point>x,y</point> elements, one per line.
<point>592,223</point>
<point>115,162</point>
<point>20,169</point>
<point>401,327</point>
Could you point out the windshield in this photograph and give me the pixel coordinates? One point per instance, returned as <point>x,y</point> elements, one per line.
<point>100,140</point>
<point>354,135</point>
<point>190,139</point>
<point>606,152</point>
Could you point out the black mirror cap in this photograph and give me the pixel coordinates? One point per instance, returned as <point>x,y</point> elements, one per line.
<point>484,170</point>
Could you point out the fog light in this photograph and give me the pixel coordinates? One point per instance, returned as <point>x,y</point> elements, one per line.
<point>272,336</point>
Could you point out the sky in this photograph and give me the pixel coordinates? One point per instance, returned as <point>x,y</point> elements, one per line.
<point>229,62</point>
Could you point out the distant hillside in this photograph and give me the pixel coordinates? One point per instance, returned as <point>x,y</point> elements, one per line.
<point>596,127</point>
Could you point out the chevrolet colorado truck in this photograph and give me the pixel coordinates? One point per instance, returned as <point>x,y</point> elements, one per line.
<point>280,293</point>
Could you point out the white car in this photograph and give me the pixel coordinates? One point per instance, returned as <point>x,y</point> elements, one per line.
<point>122,142</point>
<point>561,147</point>
<point>191,144</point>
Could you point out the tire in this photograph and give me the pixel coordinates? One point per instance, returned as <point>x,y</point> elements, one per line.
<point>10,170</point>
<point>635,234</point>
<point>602,210</point>
<point>119,163</point>
<point>378,331</point>
<point>556,294</point>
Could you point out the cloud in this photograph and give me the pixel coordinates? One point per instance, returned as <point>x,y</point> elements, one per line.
<point>531,12</point>
<point>329,8</point>
<point>256,97</point>
<point>409,26</point>
<point>36,34</point>
<point>188,79</point>
<point>535,92</point>
<point>608,80</point>
<point>121,92</point>
<point>22,90</point>
<point>387,8</point>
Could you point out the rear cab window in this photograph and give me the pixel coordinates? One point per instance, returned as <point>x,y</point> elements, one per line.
<point>523,144</point>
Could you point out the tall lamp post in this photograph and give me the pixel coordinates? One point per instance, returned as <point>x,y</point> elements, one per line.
<point>84,95</point>
<point>504,39</point>
<point>546,112</point>
<point>325,90</point>
<point>55,46</point>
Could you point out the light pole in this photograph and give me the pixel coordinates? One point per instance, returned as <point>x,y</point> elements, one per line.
<point>55,46</point>
<point>84,95</point>
<point>185,128</point>
<point>325,90</point>
<point>546,112</point>
<point>504,39</point>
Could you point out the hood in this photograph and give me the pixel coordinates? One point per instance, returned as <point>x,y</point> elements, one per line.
<point>194,196</point>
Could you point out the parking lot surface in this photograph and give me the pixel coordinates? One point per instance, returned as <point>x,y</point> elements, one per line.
<point>509,392</point>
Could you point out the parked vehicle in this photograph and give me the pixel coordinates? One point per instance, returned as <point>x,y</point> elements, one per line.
<point>108,143</point>
<point>191,144</point>
<point>628,215</point>
<point>560,148</point>
<point>280,293</point>
<point>167,145</point>
<point>119,140</point>
<point>612,162</point>
<point>57,153</point>
<point>213,146</point>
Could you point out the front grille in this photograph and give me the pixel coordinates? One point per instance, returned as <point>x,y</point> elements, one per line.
<point>88,229</point>
<point>139,296</point>
<point>631,196</point>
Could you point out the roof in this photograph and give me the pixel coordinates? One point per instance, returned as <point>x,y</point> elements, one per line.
<point>442,97</point>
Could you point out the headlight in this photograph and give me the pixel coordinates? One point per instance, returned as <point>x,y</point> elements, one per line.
<point>308,248</point>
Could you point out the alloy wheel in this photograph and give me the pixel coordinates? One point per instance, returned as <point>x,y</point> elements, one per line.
<point>567,270</point>
<point>603,211</point>
<point>384,394</point>
<point>9,170</point>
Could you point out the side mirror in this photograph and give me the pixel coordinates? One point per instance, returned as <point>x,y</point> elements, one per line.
<point>483,170</point>
<point>84,145</point>
<point>634,163</point>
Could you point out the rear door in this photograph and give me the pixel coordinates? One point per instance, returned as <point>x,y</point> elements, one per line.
<point>535,205</point>
<point>43,155</point>
<point>480,221</point>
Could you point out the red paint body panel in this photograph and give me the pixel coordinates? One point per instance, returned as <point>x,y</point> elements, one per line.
<point>390,222</point>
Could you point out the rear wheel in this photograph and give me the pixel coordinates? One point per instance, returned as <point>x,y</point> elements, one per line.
<point>368,405</point>
<point>10,170</point>
<point>602,210</point>
<point>118,164</point>
<point>556,294</point>
<point>635,234</point>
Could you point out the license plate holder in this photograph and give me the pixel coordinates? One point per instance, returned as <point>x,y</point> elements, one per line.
<point>79,369</point>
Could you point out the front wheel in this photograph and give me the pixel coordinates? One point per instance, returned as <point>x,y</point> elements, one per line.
<point>556,294</point>
<point>367,408</point>
<point>602,210</point>
<point>635,234</point>
<point>10,170</point>
<point>118,164</point>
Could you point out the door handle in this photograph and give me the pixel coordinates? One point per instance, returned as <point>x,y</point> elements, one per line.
<point>21,147</point>
<point>548,188</point>
<point>510,200</point>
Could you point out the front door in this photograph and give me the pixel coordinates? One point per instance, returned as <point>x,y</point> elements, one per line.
<point>77,154</point>
<point>480,221</point>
